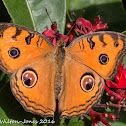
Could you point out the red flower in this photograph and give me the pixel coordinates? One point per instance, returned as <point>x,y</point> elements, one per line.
<point>116,90</point>
<point>84,26</point>
<point>54,26</point>
<point>97,116</point>
<point>120,79</point>
<point>53,35</point>
<point>98,24</point>
<point>71,26</point>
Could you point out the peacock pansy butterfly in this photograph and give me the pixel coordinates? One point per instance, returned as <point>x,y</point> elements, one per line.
<point>74,74</point>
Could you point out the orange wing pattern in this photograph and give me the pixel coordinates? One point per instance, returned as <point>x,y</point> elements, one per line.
<point>18,43</point>
<point>38,98</point>
<point>73,100</point>
<point>73,74</point>
<point>101,51</point>
<point>97,55</point>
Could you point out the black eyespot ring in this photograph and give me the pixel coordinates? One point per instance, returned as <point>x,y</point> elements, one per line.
<point>14,52</point>
<point>1,35</point>
<point>29,78</point>
<point>87,83</point>
<point>103,59</point>
<point>116,44</point>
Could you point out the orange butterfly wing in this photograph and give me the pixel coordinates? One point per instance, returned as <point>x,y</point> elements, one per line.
<point>20,46</point>
<point>28,44</point>
<point>73,100</point>
<point>101,51</point>
<point>97,54</point>
<point>59,72</point>
<point>38,98</point>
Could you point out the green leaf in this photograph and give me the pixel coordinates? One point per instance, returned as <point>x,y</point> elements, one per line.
<point>10,110</point>
<point>32,14</point>
<point>20,12</point>
<point>124,59</point>
<point>81,4</point>
<point>124,32</point>
<point>74,121</point>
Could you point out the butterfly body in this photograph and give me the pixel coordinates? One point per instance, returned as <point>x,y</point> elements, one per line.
<point>59,60</point>
<point>74,74</point>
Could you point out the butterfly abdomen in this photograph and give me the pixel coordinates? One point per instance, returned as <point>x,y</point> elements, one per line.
<point>60,55</point>
<point>58,82</point>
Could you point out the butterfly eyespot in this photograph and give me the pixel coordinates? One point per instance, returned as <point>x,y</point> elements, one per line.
<point>29,78</point>
<point>1,35</point>
<point>87,83</point>
<point>103,59</point>
<point>14,52</point>
<point>116,44</point>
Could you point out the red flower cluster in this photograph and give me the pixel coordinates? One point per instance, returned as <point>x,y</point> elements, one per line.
<point>120,79</point>
<point>84,26</point>
<point>116,90</point>
<point>81,25</point>
<point>96,117</point>
<point>53,34</point>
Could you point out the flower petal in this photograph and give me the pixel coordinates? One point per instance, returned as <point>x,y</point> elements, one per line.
<point>49,33</point>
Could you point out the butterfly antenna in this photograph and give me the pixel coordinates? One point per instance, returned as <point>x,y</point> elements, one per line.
<point>71,28</point>
<point>74,14</point>
<point>48,15</point>
<point>82,13</point>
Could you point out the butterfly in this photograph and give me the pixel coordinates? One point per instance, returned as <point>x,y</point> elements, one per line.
<point>73,74</point>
